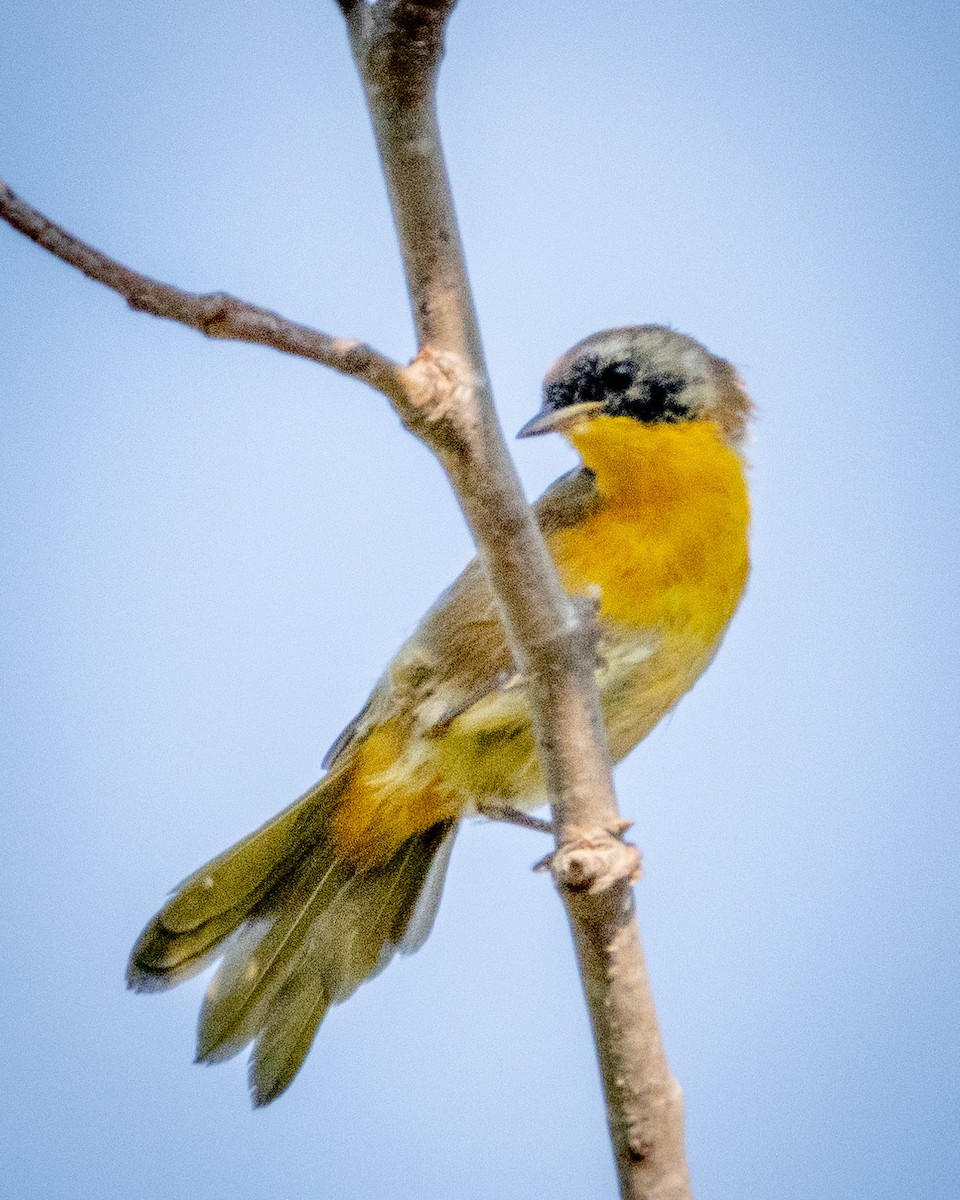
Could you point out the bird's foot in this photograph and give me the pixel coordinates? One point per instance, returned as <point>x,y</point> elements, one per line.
<point>494,810</point>
<point>593,861</point>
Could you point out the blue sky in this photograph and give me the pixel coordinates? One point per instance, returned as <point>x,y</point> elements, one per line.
<point>211,550</point>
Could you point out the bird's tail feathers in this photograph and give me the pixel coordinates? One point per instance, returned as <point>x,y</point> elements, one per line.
<point>299,928</point>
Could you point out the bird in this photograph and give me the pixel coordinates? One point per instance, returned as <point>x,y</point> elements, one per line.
<point>652,527</point>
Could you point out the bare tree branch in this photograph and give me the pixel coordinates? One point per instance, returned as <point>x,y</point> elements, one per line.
<point>215,313</point>
<point>397,45</point>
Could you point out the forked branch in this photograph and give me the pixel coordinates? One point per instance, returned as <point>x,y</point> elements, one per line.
<point>444,398</point>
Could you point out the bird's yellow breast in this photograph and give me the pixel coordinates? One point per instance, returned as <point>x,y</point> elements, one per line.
<point>666,549</point>
<point>665,553</point>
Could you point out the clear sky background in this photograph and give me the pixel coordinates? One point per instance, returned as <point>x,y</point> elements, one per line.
<point>210,550</point>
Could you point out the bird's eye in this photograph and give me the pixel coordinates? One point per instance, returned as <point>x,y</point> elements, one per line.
<point>617,377</point>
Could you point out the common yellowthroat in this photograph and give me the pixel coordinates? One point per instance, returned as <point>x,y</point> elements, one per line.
<point>653,525</point>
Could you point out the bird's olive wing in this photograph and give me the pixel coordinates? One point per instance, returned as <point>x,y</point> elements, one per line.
<point>458,656</point>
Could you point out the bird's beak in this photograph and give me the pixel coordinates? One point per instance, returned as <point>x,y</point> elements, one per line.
<point>557,420</point>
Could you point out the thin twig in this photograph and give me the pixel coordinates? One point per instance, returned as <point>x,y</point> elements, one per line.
<point>215,314</point>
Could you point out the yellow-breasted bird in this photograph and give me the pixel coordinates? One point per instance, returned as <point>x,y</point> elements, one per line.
<point>653,526</point>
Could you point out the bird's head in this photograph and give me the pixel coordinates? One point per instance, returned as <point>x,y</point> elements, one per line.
<point>647,372</point>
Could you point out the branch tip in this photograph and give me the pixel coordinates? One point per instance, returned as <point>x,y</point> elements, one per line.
<point>216,314</point>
